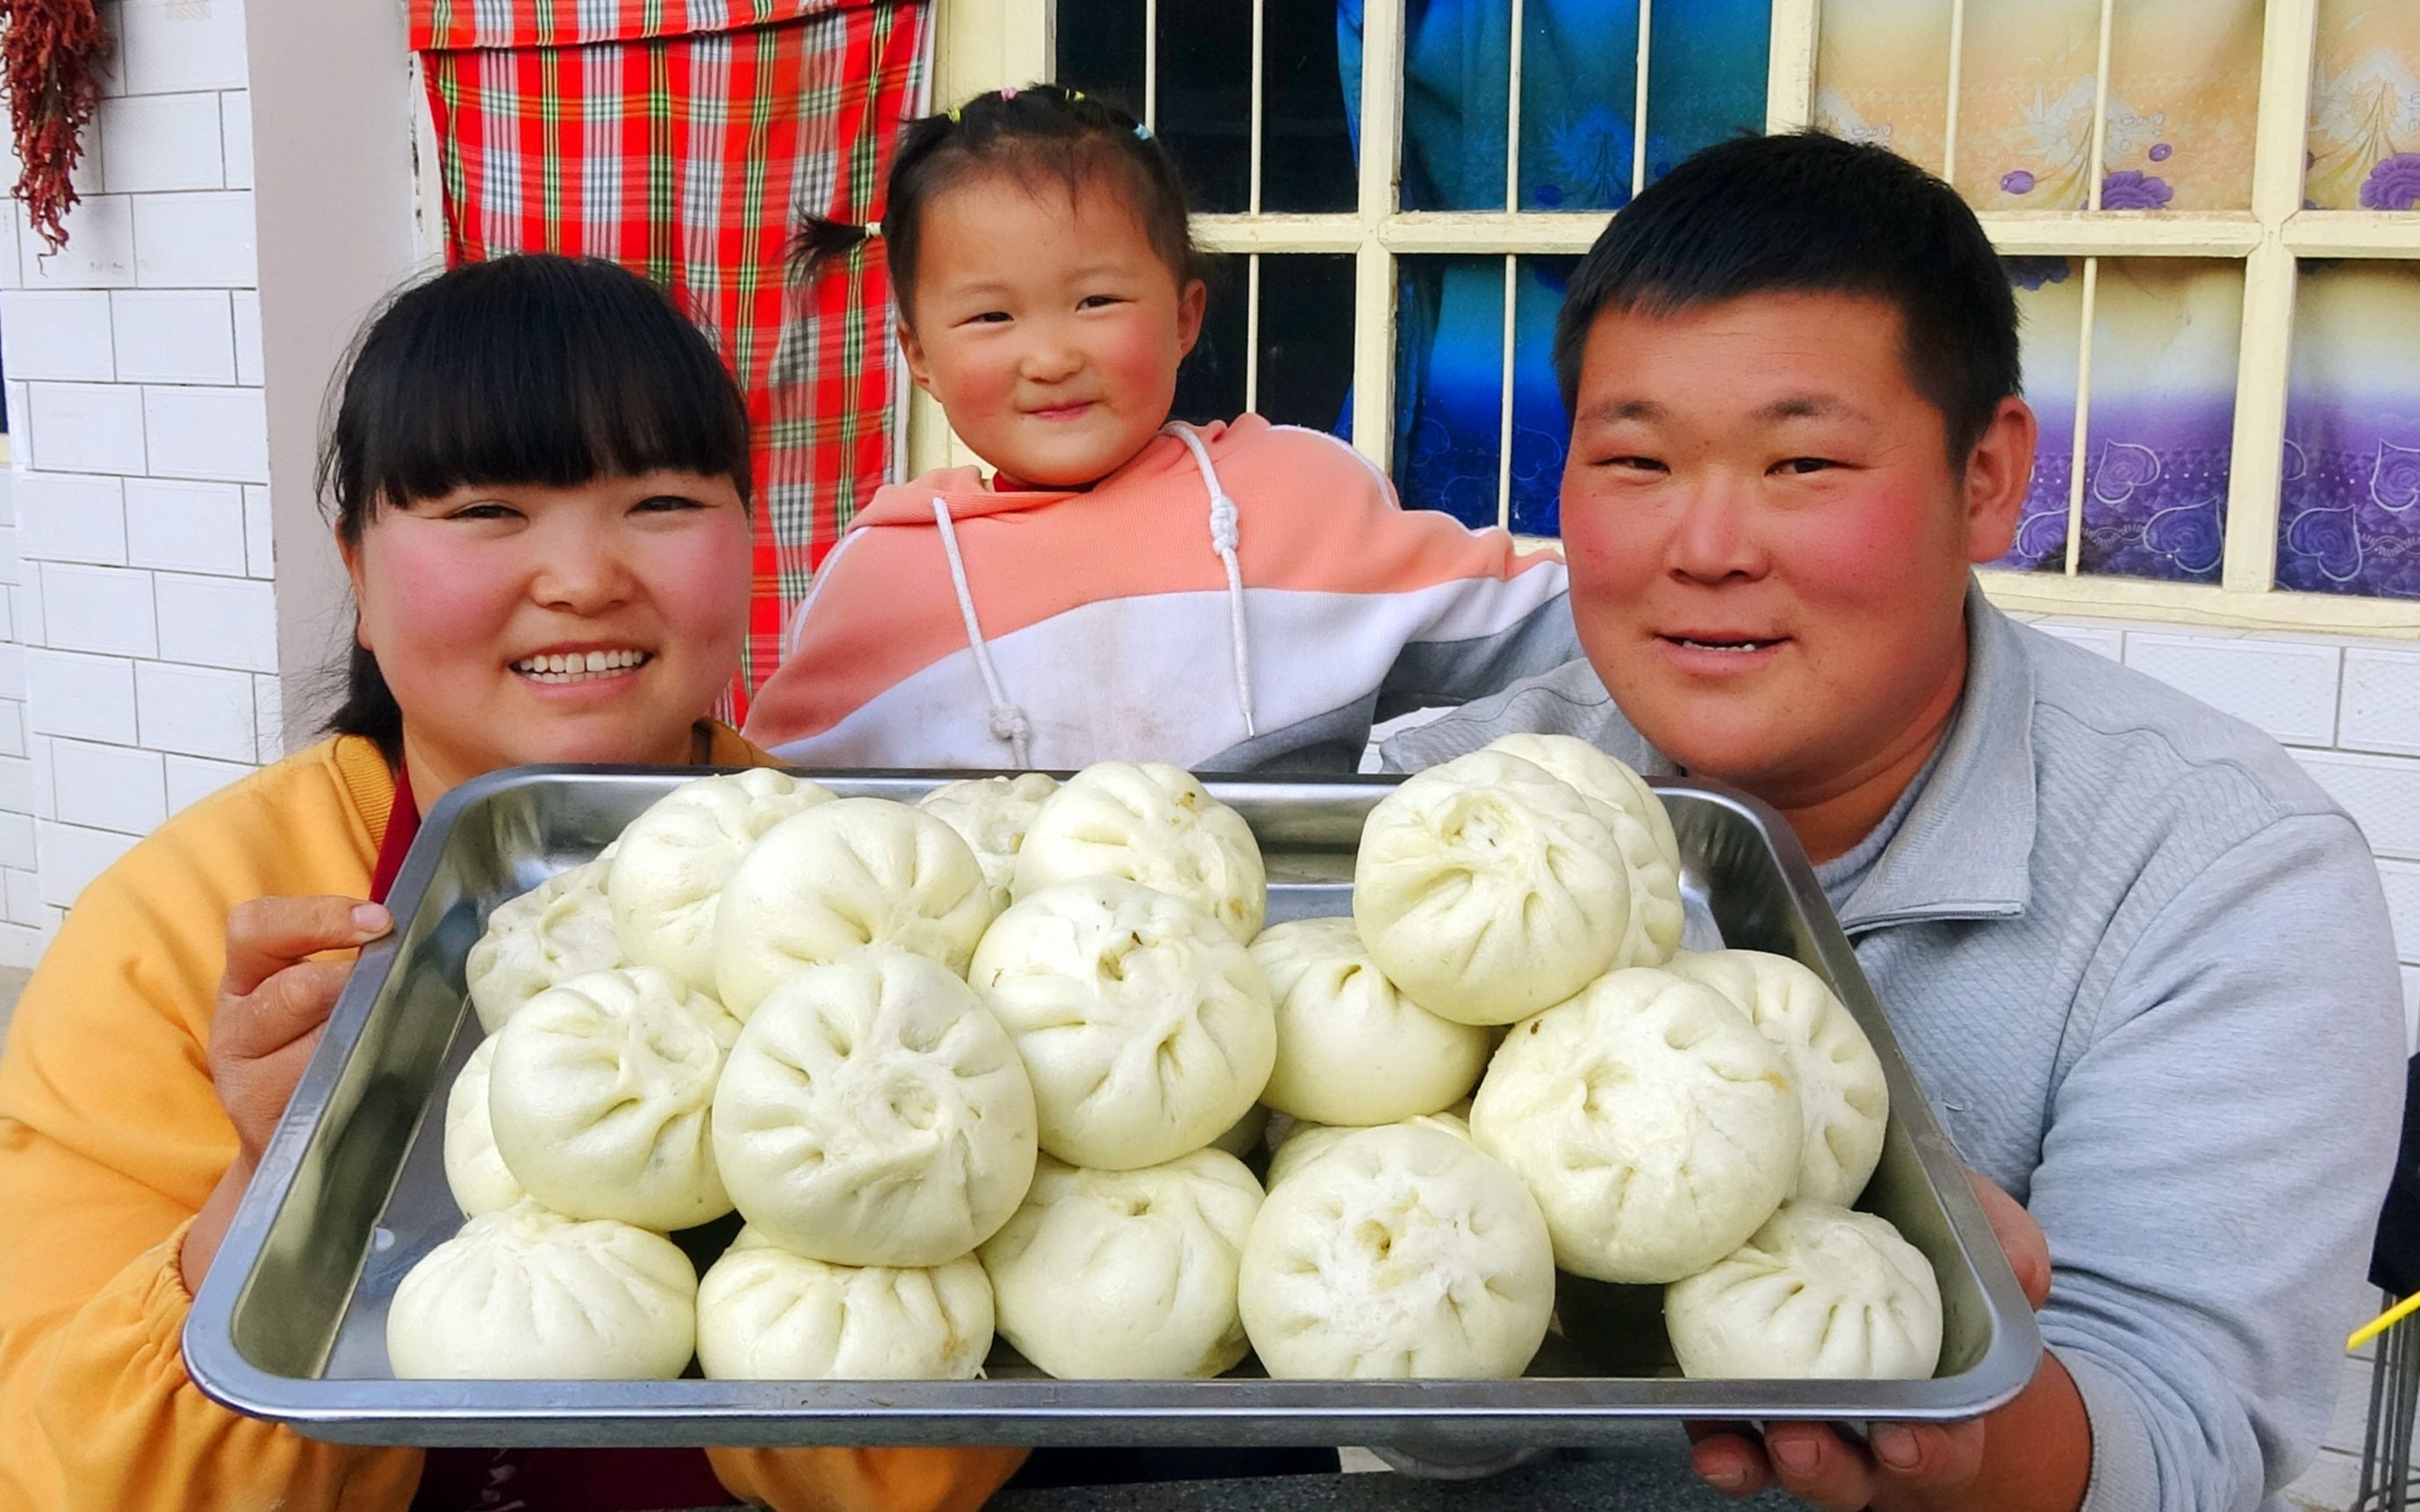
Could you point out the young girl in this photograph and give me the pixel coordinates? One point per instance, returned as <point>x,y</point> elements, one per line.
<point>1226,596</point>
<point>540,479</point>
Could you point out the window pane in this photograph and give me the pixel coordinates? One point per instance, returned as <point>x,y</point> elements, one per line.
<point>2364,145</point>
<point>1542,428</point>
<point>1706,64</point>
<point>1449,384</point>
<point>2350,517</point>
<point>1205,99</point>
<point>1306,149</point>
<point>1306,339</point>
<point>1579,88</point>
<point>2183,94</point>
<point>1100,50</point>
<point>1457,78</point>
<point>1210,385</point>
<point>2165,337</point>
<point>1881,74</point>
<point>2050,323</point>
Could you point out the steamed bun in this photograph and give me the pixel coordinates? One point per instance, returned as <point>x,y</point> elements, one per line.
<point>873,1114</point>
<point>1487,889</point>
<point>1155,824</point>
<point>1656,1126</point>
<point>556,931</point>
<point>1402,1252</point>
<point>474,1172</point>
<point>764,1314</point>
<point>991,814</point>
<point>851,873</point>
<point>601,1093</point>
<point>1351,1049</point>
<point>526,1294</point>
<point>671,861</point>
<point>1306,1142</point>
<point>1127,1275</point>
<point>1595,775</point>
<point>1841,1093</point>
<point>1146,1028</point>
<point>1818,1291</point>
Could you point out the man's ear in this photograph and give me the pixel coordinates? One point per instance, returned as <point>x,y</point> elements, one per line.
<point>913,350</point>
<point>1999,472</point>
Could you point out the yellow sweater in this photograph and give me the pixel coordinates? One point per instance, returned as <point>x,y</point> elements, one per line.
<point>110,1137</point>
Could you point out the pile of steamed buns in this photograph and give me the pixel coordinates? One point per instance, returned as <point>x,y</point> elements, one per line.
<point>987,1063</point>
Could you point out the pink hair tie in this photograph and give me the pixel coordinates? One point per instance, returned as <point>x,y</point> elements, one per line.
<point>1008,93</point>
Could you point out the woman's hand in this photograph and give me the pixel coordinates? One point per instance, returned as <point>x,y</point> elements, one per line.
<point>273,1001</point>
<point>1901,1464</point>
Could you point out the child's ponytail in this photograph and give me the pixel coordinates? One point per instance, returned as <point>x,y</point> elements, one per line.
<point>1036,134</point>
<point>819,240</point>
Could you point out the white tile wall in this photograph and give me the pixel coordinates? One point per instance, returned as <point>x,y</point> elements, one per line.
<point>137,627</point>
<point>259,543</point>
<point>100,252</point>
<point>194,241</point>
<point>172,45</point>
<point>235,118</point>
<point>194,711</point>
<point>107,609</point>
<point>72,855</point>
<point>56,333</point>
<point>186,527</point>
<point>161,142</point>
<point>248,368</point>
<point>2287,689</point>
<point>2382,793</point>
<point>2382,700</point>
<point>71,517</point>
<point>190,779</point>
<point>87,427</point>
<point>2401,880</point>
<point>173,336</point>
<point>217,434</point>
<point>111,787</point>
<point>219,622</point>
<point>89,698</point>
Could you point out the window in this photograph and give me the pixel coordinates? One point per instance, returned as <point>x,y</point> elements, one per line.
<point>2218,337</point>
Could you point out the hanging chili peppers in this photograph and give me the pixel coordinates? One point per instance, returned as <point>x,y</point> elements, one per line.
<point>51,53</point>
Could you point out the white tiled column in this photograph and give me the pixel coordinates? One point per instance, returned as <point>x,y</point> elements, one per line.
<point>138,599</point>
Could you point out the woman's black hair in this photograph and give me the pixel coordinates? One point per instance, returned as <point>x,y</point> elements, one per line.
<point>531,369</point>
<point>1033,134</point>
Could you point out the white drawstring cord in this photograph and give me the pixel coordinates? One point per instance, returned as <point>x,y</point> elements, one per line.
<point>1008,721</point>
<point>1225,536</point>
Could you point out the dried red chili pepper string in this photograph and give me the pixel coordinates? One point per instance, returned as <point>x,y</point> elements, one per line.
<point>51,53</point>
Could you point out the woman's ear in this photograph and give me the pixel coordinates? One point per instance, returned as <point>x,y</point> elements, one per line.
<point>913,350</point>
<point>1998,474</point>
<point>350,552</point>
<point>1191,302</point>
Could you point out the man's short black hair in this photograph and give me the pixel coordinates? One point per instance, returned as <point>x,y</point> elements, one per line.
<point>1807,213</point>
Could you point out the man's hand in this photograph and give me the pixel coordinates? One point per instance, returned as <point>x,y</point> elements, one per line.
<point>273,1001</point>
<point>1901,1464</point>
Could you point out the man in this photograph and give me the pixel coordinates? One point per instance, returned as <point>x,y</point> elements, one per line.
<point>2138,960</point>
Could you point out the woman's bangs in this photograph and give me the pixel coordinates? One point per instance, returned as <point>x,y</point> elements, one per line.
<point>566,373</point>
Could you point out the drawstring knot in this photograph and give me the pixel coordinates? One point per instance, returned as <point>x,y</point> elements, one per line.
<point>1226,536</point>
<point>1009,723</point>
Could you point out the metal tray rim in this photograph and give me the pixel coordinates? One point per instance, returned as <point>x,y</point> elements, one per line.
<point>1555,1410</point>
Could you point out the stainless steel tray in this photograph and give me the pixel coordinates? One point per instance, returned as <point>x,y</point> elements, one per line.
<point>290,1323</point>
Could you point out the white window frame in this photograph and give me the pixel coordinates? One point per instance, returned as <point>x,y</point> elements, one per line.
<point>983,44</point>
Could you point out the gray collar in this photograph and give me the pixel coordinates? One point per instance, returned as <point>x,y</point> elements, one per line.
<point>1966,850</point>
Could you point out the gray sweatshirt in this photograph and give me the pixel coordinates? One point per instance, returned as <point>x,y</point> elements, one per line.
<point>2141,965</point>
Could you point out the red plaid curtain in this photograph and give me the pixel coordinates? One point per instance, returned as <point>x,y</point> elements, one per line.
<point>683,139</point>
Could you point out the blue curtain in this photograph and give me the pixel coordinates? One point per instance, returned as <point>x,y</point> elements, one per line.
<point>1579,82</point>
